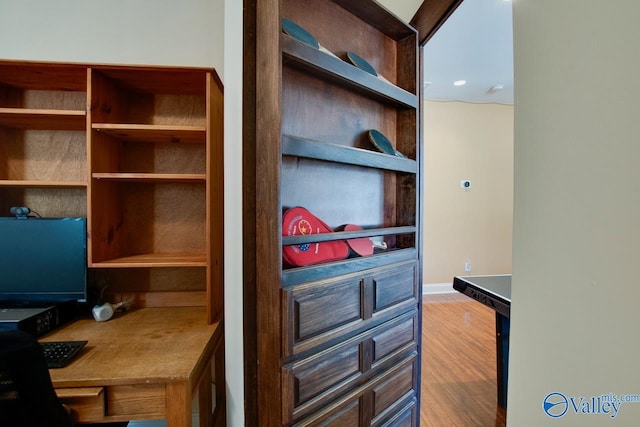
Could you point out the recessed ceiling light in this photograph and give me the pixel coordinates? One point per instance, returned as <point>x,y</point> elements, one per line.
<point>460,83</point>
<point>495,88</point>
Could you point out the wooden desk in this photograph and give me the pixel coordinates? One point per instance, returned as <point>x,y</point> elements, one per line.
<point>144,364</point>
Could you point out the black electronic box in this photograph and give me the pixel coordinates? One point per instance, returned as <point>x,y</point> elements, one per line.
<point>36,321</point>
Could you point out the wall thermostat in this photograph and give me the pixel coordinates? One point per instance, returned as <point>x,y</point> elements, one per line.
<point>465,184</point>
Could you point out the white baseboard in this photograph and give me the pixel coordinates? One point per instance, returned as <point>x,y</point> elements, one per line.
<point>437,288</point>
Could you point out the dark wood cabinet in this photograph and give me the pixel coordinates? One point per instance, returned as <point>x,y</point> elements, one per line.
<point>333,343</point>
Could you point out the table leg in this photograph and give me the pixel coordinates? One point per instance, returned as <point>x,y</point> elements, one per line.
<point>178,404</point>
<point>502,357</point>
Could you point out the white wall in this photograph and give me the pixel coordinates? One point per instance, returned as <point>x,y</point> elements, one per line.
<point>576,244</point>
<point>233,226</point>
<point>153,32</point>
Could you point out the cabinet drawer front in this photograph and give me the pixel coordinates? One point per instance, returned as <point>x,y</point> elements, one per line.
<point>394,286</point>
<point>323,373</point>
<point>394,339</point>
<point>86,403</point>
<point>341,415</point>
<point>318,312</point>
<point>406,417</point>
<point>394,389</point>
<point>143,401</point>
<point>326,307</point>
<point>387,399</point>
<point>313,382</point>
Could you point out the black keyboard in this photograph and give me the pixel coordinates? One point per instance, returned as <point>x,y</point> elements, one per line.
<point>58,354</point>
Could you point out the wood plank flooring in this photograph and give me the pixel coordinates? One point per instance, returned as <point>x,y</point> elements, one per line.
<point>458,385</point>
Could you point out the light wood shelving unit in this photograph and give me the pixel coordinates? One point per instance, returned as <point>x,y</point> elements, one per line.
<point>138,152</point>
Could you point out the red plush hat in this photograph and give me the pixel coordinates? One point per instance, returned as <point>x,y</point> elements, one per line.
<point>299,221</point>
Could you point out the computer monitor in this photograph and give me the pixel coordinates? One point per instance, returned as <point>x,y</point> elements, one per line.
<point>43,259</point>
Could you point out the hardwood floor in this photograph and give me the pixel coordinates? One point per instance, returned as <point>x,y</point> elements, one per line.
<point>458,364</point>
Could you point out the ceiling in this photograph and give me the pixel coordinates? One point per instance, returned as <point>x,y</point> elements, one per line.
<point>404,9</point>
<point>476,45</point>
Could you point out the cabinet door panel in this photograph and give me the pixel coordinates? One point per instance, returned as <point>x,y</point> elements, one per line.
<point>321,376</point>
<point>320,312</point>
<point>312,382</point>
<point>394,286</point>
<point>405,417</point>
<point>394,389</point>
<point>328,309</point>
<point>341,415</point>
<point>386,399</point>
<point>333,369</point>
<point>394,339</point>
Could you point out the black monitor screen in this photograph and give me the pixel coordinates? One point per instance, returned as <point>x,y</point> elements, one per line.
<point>43,259</point>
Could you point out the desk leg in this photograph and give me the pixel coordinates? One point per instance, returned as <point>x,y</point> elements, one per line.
<point>205,397</point>
<point>502,357</point>
<point>178,404</point>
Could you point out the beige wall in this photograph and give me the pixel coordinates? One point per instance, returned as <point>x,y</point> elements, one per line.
<point>475,142</point>
<point>575,314</point>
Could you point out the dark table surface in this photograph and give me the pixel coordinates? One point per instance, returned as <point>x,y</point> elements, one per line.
<point>493,291</point>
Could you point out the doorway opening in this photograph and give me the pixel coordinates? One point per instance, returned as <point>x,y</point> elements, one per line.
<point>468,206</point>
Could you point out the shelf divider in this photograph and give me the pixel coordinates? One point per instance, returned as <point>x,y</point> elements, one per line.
<point>186,259</point>
<point>153,133</point>
<point>41,119</point>
<point>41,184</point>
<point>150,177</point>
<point>302,147</point>
<point>343,235</point>
<point>331,68</point>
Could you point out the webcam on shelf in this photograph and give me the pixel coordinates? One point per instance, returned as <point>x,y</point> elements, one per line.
<point>21,212</point>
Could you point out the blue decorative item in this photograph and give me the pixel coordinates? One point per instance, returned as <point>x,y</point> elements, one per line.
<point>361,63</point>
<point>383,144</point>
<point>297,32</point>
